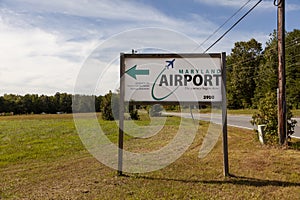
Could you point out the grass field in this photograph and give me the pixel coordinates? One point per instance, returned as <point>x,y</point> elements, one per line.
<point>42,157</point>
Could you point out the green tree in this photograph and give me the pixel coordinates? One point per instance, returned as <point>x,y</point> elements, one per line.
<point>65,102</point>
<point>110,106</point>
<point>12,103</point>
<point>2,104</point>
<point>293,68</point>
<point>56,101</point>
<point>242,67</point>
<point>267,78</point>
<point>98,101</point>
<point>44,104</point>
<point>133,111</point>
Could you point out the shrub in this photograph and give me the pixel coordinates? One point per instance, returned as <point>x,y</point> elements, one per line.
<point>110,106</point>
<point>133,113</point>
<point>267,114</point>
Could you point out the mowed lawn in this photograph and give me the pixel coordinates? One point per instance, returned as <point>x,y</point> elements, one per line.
<point>42,157</point>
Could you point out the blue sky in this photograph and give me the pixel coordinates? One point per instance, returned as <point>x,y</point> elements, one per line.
<point>45,44</point>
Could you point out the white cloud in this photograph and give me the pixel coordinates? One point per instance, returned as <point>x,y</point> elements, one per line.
<point>32,59</point>
<point>104,9</point>
<point>118,15</point>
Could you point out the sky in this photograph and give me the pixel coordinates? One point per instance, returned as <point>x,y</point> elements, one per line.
<point>48,46</point>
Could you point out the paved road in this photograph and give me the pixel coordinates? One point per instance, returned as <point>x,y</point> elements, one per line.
<point>241,121</point>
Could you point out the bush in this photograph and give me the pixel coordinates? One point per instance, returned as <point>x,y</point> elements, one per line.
<point>110,106</point>
<point>133,113</point>
<point>267,114</point>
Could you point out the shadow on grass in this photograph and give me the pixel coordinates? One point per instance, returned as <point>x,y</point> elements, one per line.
<point>232,179</point>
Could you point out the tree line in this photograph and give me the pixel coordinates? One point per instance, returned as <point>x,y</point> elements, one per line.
<point>58,103</point>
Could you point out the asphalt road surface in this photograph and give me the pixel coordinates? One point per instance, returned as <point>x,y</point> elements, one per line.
<point>240,121</point>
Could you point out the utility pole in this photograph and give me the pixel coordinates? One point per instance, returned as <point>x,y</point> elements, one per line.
<point>282,125</point>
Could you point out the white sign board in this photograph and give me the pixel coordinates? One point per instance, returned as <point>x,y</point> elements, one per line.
<point>155,78</point>
<point>173,78</point>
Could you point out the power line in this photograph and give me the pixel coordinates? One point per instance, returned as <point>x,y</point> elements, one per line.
<point>288,44</point>
<point>233,26</point>
<point>251,60</point>
<point>222,25</point>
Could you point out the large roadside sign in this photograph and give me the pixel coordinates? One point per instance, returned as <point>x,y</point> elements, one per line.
<point>172,77</point>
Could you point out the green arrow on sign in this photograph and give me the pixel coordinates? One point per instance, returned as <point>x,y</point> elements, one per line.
<point>133,72</point>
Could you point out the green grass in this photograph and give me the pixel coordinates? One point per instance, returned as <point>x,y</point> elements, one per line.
<point>242,112</point>
<point>37,139</point>
<point>42,157</point>
<point>296,113</point>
